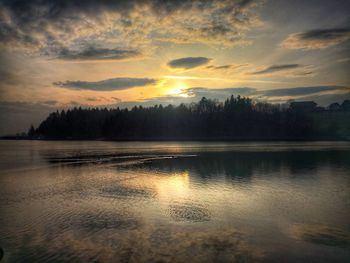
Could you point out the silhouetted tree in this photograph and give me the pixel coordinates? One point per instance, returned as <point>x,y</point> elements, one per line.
<point>31,131</point>
<point>235,118</point>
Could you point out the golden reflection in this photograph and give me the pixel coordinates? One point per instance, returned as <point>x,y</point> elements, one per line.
<point>176,186</point>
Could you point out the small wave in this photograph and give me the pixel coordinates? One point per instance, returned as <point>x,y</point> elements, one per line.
<point>190,212</point>
<point>105,221</point>
<point>320,234</point>
<point>127,192</point>
<point>112,161</point>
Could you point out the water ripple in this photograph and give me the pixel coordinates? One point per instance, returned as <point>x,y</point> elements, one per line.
<point>190,212</point>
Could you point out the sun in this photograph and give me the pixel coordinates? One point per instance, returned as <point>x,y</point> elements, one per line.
<point>178,90</point>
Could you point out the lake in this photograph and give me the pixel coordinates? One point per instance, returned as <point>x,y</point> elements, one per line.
<point>100,201</point>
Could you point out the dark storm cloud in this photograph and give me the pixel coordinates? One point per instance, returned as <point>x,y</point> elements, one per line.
<point>317,39</point>
<point>43,25</point>
<point>324,34</point>
<point>276,68</point>
<point>188,62</point>
<point>11,35</point>
<point>93,53</point>
<point>107,85</point>
<point>69,7</point>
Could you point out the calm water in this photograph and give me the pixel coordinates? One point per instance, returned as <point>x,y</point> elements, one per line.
<point>174,202</point>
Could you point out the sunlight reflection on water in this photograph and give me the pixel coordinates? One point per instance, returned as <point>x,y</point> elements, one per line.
<point>174,202</point>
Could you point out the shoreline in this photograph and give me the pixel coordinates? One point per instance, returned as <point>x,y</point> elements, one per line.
<point>10,138</point>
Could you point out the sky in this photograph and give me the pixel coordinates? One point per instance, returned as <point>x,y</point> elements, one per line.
<point>58,54</point>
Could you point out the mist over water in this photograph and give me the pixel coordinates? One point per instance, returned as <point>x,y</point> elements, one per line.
<point>174,202</point>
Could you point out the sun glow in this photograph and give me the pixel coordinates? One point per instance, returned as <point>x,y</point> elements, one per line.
<point>178,90</point>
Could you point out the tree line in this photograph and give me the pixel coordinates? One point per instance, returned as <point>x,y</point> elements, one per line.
<point>237,118</point>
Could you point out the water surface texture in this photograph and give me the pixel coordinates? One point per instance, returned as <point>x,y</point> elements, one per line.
<point>174,202</point>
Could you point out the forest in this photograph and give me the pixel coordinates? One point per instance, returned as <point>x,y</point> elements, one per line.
<point>237,118</point>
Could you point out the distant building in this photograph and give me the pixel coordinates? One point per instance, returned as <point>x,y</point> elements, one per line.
<point>334,106</point>
<point>303,105</point>
<point>345,105</point>
<point>319,109</point>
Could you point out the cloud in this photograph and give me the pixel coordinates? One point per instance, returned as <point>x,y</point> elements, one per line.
<point>222,94</point>
<point>343,60</point>
<point>93,99</point>
<point>107,85</point>
<point>302,91</point>
<point>16,117</point>
<point>9,71</point>
<point>276,68</point>
<point>102,99</point>
<point>219,94</point>
<point>327,99</point>
<point>322,95</point>
<point>188,62</point>
<point>317,39</point>
<point>93,53</point>
<point>294,70</point>
<point>43,27</point>
<point>226,67</point>
<point>191,95</point>
<point>50,102</point>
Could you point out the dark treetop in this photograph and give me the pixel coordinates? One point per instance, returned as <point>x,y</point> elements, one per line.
<point>238,118</point>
